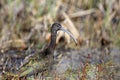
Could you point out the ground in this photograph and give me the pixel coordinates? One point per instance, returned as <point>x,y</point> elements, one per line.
<point>25,29</point>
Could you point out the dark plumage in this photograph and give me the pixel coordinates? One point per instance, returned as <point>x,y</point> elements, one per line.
<point>55,27</point>
<point>46,54</point>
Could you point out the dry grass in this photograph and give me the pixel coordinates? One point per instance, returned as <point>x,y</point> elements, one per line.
<point>89,21</point>
<point>26,23</point>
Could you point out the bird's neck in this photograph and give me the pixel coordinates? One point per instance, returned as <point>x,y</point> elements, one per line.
<point>51,46</point>
<point>53,40</point>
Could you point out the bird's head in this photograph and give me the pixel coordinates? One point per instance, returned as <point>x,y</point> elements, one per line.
<point>57,26</point>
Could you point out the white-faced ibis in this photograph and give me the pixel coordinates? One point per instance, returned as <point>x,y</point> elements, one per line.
<point>55,27</point>
<point>46,54</point>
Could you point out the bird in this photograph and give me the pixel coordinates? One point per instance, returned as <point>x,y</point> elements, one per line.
<point>46,54</point>
<point>55,27</point>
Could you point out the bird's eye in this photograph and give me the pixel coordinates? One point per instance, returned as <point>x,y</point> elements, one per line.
<point>58,25</point>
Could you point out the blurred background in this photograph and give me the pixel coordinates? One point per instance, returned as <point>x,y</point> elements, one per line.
<point>94,23</point>
<point>25,24</point>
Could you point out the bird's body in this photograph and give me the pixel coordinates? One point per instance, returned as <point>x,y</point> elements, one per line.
<point>45,55</point>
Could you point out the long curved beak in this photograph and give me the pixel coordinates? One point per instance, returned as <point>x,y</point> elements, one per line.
<point>70,34</point>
